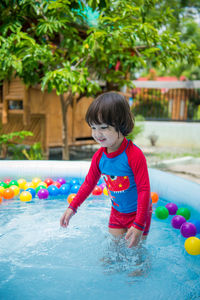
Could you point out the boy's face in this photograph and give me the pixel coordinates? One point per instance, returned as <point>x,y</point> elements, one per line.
<point>107,136</point>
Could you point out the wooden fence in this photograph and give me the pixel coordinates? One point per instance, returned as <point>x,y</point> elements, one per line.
<point>167,100</point>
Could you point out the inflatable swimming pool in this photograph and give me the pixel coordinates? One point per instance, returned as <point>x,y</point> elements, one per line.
<point>40,260</point>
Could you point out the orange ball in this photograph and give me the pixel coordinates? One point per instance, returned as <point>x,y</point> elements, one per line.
<point>1,200</point>
<point>8,193</point>
<point>70,198</point>
<point>154,197</point>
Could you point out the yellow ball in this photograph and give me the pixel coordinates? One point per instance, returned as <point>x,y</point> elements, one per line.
<point>15,189</point>
<point>1,190</point>
<point>105,191</point>
<point>25,196</point>
<point>192,245</point>
<point>21,183</point>
<point>42,183</point>
<point>28,185</point>
<point>36,181</point>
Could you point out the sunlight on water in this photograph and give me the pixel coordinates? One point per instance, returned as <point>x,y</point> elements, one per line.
<point>40,260</point>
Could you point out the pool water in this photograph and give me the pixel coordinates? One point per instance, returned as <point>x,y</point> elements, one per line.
<point>40,260</point>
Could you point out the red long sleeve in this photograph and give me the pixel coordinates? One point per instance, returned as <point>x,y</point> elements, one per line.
<point>90,182</point>
<point>138,165</point>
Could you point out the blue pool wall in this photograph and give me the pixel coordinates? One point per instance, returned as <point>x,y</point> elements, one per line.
<point>168,186</point>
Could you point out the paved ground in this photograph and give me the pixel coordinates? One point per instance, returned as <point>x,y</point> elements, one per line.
<point>187,166</point>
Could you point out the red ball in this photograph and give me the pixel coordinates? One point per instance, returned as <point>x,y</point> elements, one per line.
<point>97,191</point>
<point>49,181</point>
<point>58,184</point>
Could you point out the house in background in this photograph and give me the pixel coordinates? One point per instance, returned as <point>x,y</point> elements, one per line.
<point>32,110</point>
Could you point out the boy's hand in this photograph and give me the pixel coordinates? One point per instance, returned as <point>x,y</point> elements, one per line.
<point>134,236</point>
<point>64,221</point>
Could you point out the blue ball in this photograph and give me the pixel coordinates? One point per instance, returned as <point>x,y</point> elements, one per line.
<point>74,181</point>
<point>196,224</point>
<point>53,190</point>
<point>32,191</point>
<point>74,189</point>
<point>64,189</point>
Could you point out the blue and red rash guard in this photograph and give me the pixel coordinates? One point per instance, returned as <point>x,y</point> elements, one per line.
<point>126,175</point>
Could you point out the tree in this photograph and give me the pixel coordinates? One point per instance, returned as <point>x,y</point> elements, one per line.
<point>50,43</point>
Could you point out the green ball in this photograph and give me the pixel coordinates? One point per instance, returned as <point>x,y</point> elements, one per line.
<point>162,212</point>
<point>13,182</point>
<point>39,188</point>
<point>183,211</point>
<point>3,184</point>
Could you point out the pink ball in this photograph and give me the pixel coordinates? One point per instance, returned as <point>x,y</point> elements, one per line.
<point>43,194</point>
<point>172,208</point>
<point>188,229</point>
<point>177,221</point>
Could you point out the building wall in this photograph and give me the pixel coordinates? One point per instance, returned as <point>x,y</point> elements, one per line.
<point>174,134</point>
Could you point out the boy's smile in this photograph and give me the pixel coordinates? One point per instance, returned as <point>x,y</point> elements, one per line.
<point>107,136</point>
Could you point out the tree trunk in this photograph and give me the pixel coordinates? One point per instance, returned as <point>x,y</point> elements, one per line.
<point>64,108</point>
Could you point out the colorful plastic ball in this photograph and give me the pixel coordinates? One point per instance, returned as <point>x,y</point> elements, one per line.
<point>43,194</point>
<point>188,229</point>
<point>70,198</point>
<point>3,184</point>
<point>97,191</point>
<point>183,211</point>
<point>16,189</point>
<point>29,185</point>
<point>105,191</point>
<point>21,183</point>
<point>61,180</point>
<point>102,185</point>
<point>172,208</point>
<point>40,187</point>
<point>43,184</point>
<point>48,181</point>
<point>25,196</point>
<point>13,182</point>
<point>58,184</point>
<point>177,221</point>
<point>192,245</point>
<point>1,200</point>
<point>74,189</point>
<point>154,197</point>
<point>7,181</point>
<point>1,190</point>
<point>32,191</point>
<point>53,190</point>
<point>74,181</point>
<point>8,193</point>
<point>196,224</point>
<point>161,212</point>
<point>64,189</point>
<point>36,181</point>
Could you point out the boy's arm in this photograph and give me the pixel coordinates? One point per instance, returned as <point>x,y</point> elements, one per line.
<point>138,165</point>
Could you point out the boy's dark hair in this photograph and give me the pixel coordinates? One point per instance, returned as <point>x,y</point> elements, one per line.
<point>111,108</point>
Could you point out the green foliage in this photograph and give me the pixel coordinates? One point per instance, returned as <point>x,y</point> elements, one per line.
<point>49,42</point>
<point>151,104</point>
<point>138,128</point>
<point>14,137</point>
<point>34,153</point>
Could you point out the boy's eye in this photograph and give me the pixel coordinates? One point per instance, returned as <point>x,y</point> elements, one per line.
<point>104,127</point>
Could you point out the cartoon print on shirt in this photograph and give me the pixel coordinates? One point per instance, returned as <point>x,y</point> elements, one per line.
<point>117,184</point>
